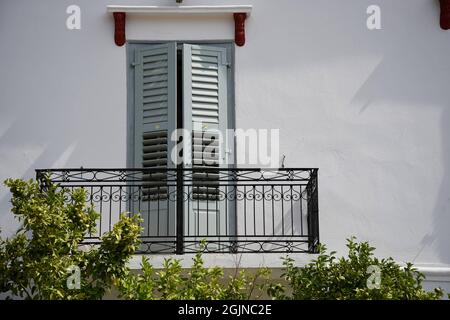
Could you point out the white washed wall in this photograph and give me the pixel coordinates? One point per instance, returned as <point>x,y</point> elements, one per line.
<point>371,109</point>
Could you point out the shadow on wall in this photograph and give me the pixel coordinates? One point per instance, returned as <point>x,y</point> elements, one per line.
<point>402,78</point>
<point>22,155</point>
<point>441,218</point>
<point>399,79</point>
<point>410,80</point>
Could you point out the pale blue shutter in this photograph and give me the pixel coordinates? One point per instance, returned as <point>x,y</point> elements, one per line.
<point>155,105</point>
<point>205,114</point>
<point>205,101</point>
<point>155,120</point>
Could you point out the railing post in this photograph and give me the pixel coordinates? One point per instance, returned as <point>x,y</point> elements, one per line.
<point>40,178</point>
<point>312,190</point>
<point>38,175</point>
<point>180,211</point>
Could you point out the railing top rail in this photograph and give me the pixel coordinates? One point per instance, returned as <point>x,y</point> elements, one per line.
<point>128,175</point>
<point>174,169</point>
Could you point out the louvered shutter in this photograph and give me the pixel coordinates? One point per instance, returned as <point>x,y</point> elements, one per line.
<point>205,74</point>
<point>155,120</point>
<point>155,106</point>
<point>205,101</point>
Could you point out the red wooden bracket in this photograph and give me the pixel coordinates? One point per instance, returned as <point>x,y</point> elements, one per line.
<point>239,28</point>
<point>119,28</point>
<point>445,14</point>
<point>120,18</point>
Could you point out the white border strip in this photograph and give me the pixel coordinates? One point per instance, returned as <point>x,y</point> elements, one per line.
<point>439,274</point>
<point>226,260</point>
<point>433,273</point>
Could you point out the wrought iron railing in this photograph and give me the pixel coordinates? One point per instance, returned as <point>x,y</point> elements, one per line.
<point>231,210</point>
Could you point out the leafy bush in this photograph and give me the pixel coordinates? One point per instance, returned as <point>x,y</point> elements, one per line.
<point>197,283</point>
<point>36,262</point>
<point>360,276</point>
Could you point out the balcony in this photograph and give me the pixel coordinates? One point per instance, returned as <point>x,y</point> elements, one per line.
<point>231,210</point>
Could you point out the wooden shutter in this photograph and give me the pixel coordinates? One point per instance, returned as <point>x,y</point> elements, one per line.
<point>205,114</point>
<point>205,101</point>
<point>155,112</point>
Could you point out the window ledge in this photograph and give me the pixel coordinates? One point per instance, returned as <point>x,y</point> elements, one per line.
<point>239,12</point>
<point>159,10</point>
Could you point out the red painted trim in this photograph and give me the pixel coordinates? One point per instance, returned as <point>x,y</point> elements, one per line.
<point>239,28</point>
<point>119,28</point>
<point>445,14</point>
<point>239,25</point>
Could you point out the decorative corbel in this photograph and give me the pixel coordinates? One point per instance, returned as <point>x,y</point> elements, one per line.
<point>119,13</point>
<point>445,14</point>
<point>119,28</point>
<point>239,28</point>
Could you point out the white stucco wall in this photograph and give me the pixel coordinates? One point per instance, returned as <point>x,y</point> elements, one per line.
<point>369,108</point>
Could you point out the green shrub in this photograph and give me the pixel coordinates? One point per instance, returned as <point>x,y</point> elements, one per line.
<point>196,283</point>
<point>36,262</point>
<point>360,276</point>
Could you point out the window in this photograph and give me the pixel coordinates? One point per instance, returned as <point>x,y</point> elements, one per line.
<point>174,85</point>
<point>185,86</point>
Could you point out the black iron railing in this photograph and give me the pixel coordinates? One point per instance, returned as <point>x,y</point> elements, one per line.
<point>232,210</point>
